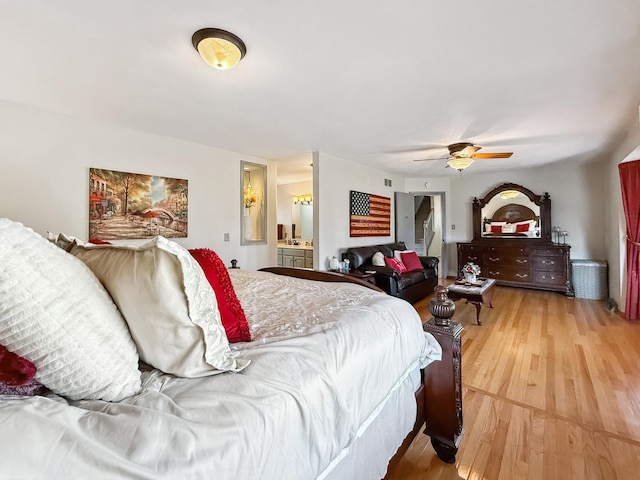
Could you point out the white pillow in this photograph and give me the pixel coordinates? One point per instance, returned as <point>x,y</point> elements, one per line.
<point>168,303</point>
<point>55,313</point>
<point>509,228</point>
<point>397,254</point>
<point>378,259</point>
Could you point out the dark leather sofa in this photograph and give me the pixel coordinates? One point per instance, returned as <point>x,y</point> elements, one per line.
<point>410,286</point>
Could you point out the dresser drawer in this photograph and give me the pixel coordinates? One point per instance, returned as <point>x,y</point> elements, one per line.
<point>502,259</point>
<point>470,253</point>
<point>510,274</point>
<point>508,250</point>
<point>548,251</point>
<point>550,278</point>
<point>548,264</point>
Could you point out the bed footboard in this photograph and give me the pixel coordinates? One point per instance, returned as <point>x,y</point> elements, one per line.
<point>443,392</point>
<point>318,275</point>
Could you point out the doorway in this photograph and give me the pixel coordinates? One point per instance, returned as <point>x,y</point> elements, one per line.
<point>420,223</point>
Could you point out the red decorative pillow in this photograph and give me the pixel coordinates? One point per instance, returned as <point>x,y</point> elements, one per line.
<point>233,317</point>
<point>15,370</point>
<point>496,228</point>
<point>395,264</point>
<point>411,261</point>
<point>522,227</point>
<point>97,241</point>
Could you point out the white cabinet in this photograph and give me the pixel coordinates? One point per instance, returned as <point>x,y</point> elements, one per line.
<point>295,257</point>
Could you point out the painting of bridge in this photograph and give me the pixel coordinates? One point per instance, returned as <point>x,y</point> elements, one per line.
<point>125,205</point>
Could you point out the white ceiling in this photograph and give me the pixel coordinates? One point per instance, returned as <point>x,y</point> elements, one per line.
<point>373,81</point>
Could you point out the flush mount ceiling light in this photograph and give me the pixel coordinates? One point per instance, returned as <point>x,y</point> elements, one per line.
<point>460,163</point>
<point>219,48</point>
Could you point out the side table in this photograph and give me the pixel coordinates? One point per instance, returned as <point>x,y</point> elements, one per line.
<point>443,392</point>
<point>369,277</point>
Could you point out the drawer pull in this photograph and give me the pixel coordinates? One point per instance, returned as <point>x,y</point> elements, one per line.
<point>548,278</point>
<point>521,261</point>
<point>472,258</point>
<point>521,275</point>
<point>551,262</point>
<point>494,259</point>
<point>493,273</point>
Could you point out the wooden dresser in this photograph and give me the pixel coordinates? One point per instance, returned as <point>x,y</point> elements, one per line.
<point>529,260</point>
<point>519,264</point>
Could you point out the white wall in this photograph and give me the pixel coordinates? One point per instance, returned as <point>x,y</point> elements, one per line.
<point>333,178</point>
<point>44,181</point>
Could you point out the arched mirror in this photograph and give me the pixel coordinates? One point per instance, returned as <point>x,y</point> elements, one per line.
<point>513,212</point>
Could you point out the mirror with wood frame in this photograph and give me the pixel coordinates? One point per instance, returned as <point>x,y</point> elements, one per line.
<point>511,211</point>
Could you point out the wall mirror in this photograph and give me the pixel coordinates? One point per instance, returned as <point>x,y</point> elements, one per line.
<point>302,218</point>
<point>253,206</point>
<point>511,211</point>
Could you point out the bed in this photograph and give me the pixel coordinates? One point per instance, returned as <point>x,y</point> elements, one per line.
<point>512,220</point>
<point>325,388</point>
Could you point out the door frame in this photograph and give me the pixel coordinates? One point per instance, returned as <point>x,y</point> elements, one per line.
<point>443,215</point>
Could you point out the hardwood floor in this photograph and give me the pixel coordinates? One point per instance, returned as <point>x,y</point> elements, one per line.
<point>551,390</point>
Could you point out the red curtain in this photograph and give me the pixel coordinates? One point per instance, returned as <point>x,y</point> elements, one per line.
<point>630,184</point>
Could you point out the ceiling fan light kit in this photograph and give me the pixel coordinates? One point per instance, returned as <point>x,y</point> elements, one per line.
<point>460,163</point>
<point>218,48</point>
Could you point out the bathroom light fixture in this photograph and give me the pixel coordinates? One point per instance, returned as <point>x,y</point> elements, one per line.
<point>219,48</point>
<point>460,163</point>
<point>306,199</point>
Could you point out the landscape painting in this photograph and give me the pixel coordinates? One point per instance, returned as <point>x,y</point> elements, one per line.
<point>125,205</point>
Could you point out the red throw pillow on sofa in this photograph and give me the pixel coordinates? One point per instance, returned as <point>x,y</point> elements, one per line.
<point>233,317</point>
<point>395,264</point>
<point>411,261</point>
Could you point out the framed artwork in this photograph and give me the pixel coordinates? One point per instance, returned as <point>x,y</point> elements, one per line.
<point>124,205</point>
<point>369,215</point>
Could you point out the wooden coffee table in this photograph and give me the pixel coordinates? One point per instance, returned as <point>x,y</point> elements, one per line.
<point>477,294</point>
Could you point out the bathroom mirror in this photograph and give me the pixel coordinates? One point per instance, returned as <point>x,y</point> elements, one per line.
<point>253,206</point>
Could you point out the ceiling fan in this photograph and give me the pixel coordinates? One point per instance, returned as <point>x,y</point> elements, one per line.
<point>463,154</point>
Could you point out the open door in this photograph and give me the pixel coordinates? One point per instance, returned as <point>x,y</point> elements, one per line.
<point>404,218</point>
<point>414,212</point>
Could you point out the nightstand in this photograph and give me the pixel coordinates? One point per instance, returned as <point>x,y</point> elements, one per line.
<point>364,276</point>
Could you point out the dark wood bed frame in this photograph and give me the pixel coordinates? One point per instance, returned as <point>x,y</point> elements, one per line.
<point>439,398</point>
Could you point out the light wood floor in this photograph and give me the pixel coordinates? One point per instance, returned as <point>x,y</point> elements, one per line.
<point>551,390</point>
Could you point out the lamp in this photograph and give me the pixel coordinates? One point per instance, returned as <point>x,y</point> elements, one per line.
<point>460,163</point>
<point>219,48</point>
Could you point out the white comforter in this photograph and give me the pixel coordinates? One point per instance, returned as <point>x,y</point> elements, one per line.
<point>325,358</point>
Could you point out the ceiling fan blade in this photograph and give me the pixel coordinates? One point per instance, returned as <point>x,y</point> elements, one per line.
<point>492,155</point>
<point>429,159</point>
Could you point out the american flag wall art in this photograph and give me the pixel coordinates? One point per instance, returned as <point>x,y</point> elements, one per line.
<point>369,215</point>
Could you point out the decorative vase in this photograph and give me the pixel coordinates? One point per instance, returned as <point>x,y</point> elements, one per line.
<point>470,277</point>
<point>334,264</point>
<point>248,227</point>
<point>442,307</point>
